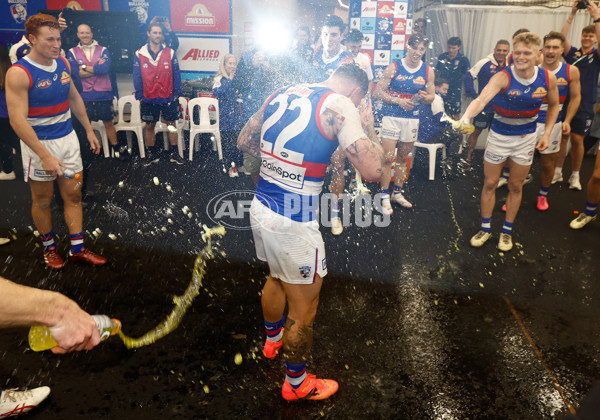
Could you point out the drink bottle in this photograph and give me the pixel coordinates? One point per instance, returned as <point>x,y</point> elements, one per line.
<point>70,173</point>
<point>416,99</point>
<point>41,339</point>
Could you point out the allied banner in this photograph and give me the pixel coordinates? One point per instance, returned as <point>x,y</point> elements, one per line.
<point>206,16</point>
<point>14,13</point>
<point>74,4</point>
<point>202,54</point>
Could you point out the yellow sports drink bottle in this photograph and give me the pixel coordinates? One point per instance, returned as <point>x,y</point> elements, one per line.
<point>456,125</point>
<point>41,339</point>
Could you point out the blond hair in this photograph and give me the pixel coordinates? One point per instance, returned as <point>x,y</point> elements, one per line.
<point>527,38</point>
<point>222,72</point>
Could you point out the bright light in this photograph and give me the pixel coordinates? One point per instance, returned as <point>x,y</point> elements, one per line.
<point>273,37</point>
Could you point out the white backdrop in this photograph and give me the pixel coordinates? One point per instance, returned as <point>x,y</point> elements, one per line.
<point>479,27</point>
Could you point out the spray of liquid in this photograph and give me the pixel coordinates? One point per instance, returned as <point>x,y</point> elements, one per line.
<point>183,302</point>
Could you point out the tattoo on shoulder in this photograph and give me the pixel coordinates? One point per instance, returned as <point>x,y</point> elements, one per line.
<point>331,122</point>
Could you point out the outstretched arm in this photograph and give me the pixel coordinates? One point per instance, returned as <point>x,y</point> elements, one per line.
<point>567,26</point>
<point>497,83</point>
<point>249,138</point>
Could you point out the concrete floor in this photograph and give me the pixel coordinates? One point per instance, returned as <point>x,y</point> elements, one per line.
<point>413,322</point>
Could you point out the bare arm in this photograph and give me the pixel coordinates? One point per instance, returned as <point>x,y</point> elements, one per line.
<point>17,101</point>
<point>593,10</point>
<point>367,157</point>
<point>71,327</point>
<point>498,82</point>
<point>552,113</point>
<point>249,138</point>
<point>574,98</point>
<point>567,26</point>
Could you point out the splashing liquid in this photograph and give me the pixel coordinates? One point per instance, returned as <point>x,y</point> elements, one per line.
<point>183,302</point>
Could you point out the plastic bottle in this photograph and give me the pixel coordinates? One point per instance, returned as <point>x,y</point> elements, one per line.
<point>416,99</point>
<point>41,339</point>
<point>70,173</point>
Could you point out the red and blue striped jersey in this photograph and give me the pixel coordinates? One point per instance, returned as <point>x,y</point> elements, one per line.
<point>516,107</point>
<point>562,82</point>
<point>405,84</point>
<point>295,151</point>
<point>49,112</point>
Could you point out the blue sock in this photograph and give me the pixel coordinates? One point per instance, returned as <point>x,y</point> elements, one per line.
<point>385,191</point>
<point>274,330</point>
<point>505,172</point>
<point>507,227</point>
<point>590,208</point>
<point>76,243</point>
<point>295,374</point>
<point>544,191</point>
<point>48,240</point>
<point>335,209</point>
<point>397,189</point>
<point>486,224</point>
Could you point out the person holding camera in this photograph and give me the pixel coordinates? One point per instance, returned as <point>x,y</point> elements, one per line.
<point>587,60</point>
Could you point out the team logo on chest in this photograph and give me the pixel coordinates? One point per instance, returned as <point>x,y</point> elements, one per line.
<point>419,81</point>
<point>43,84</point>
<point>513,92</point>
<point>561,81</point>
<point>65,78</point>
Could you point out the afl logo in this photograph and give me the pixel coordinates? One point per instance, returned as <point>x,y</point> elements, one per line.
<point>513,92</point>
<point>43,84</point>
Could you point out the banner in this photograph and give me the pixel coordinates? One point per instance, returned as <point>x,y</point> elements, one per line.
<point>207,16</point>
<point>74,4</point>
<point>145,9</point>
<point>14,13</point>
<point>202,54</point>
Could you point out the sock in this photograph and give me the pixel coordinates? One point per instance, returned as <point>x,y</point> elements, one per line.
<point>335,209</point>
<point>505,172</point>
<point>590,208</point>
<point>544,191</point>
<point>507,227</point>
<point>274,332</point>
<point>48,241</point>
<point>76,243</point>
<point>397,189</point>
<point>486,224</point>
<point>575,174</point>
<point>295,374</point>
<point>385,193</point>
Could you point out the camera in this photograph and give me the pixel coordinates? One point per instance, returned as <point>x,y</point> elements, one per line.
<point>582,4</point>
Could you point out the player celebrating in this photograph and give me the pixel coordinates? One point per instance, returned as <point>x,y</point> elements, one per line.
<point>518,93</point>
<point>294,134</point>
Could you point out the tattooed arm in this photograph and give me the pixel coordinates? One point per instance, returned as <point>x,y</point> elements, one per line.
<point>249,138</point>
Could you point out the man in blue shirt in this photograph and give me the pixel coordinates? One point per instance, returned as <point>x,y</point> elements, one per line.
<point>587,60</point>
<point>452,66</point>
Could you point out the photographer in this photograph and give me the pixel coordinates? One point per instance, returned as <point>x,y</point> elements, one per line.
<point>587,60</point>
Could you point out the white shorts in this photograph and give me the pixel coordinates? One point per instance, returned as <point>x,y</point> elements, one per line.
<point>519,149</point>
<point>555,136</point>
<point>294,250</point>
<point>405,130</point>
<point>65,149</point>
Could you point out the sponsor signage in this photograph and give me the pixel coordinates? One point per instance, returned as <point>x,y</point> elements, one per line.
<point>201,54</point>
<point>207,16</point>
<point>14,13</point>
<point>74,4</point>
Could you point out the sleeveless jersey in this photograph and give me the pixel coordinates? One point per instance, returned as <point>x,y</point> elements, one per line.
<point>516,107</point>
<point>562,82</point>
<point>49,112</point>
<point>325,69</point>
<point>405,84</point>
<point>294,152</point>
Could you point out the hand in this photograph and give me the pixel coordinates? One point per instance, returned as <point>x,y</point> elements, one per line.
<point>593,9</point>
<point>101,61</point>
<point>543,143</point>
<point>52,165</point>
<point>566,128</point>
<point>465,126</point>
<point>75,331</point>
<point>405,104</point>
<point>94,143</point>
<point>574,8</point>
<point>167,25</point>
<point>62,23</point>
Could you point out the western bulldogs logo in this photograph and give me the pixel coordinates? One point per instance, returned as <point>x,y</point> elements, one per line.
<point>18,10</point>
<point>305,271</point>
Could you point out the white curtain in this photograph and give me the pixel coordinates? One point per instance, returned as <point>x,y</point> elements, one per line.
<point>479,27</point>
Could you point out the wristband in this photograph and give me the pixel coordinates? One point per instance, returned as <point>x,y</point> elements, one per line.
<point>597,20</point>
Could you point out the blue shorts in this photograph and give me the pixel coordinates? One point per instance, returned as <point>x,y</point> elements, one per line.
<point>99,110</point>
<point>151,112</point>
<point>582,123</point>
<point>483,120</point>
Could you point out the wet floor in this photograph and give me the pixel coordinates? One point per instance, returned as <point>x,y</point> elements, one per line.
<point>413,323</point>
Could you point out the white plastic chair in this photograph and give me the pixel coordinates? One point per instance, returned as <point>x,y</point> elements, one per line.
<point>432,148</point>
<point>135,125</point>
<point>98,126</point>
<point>204,125</point>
